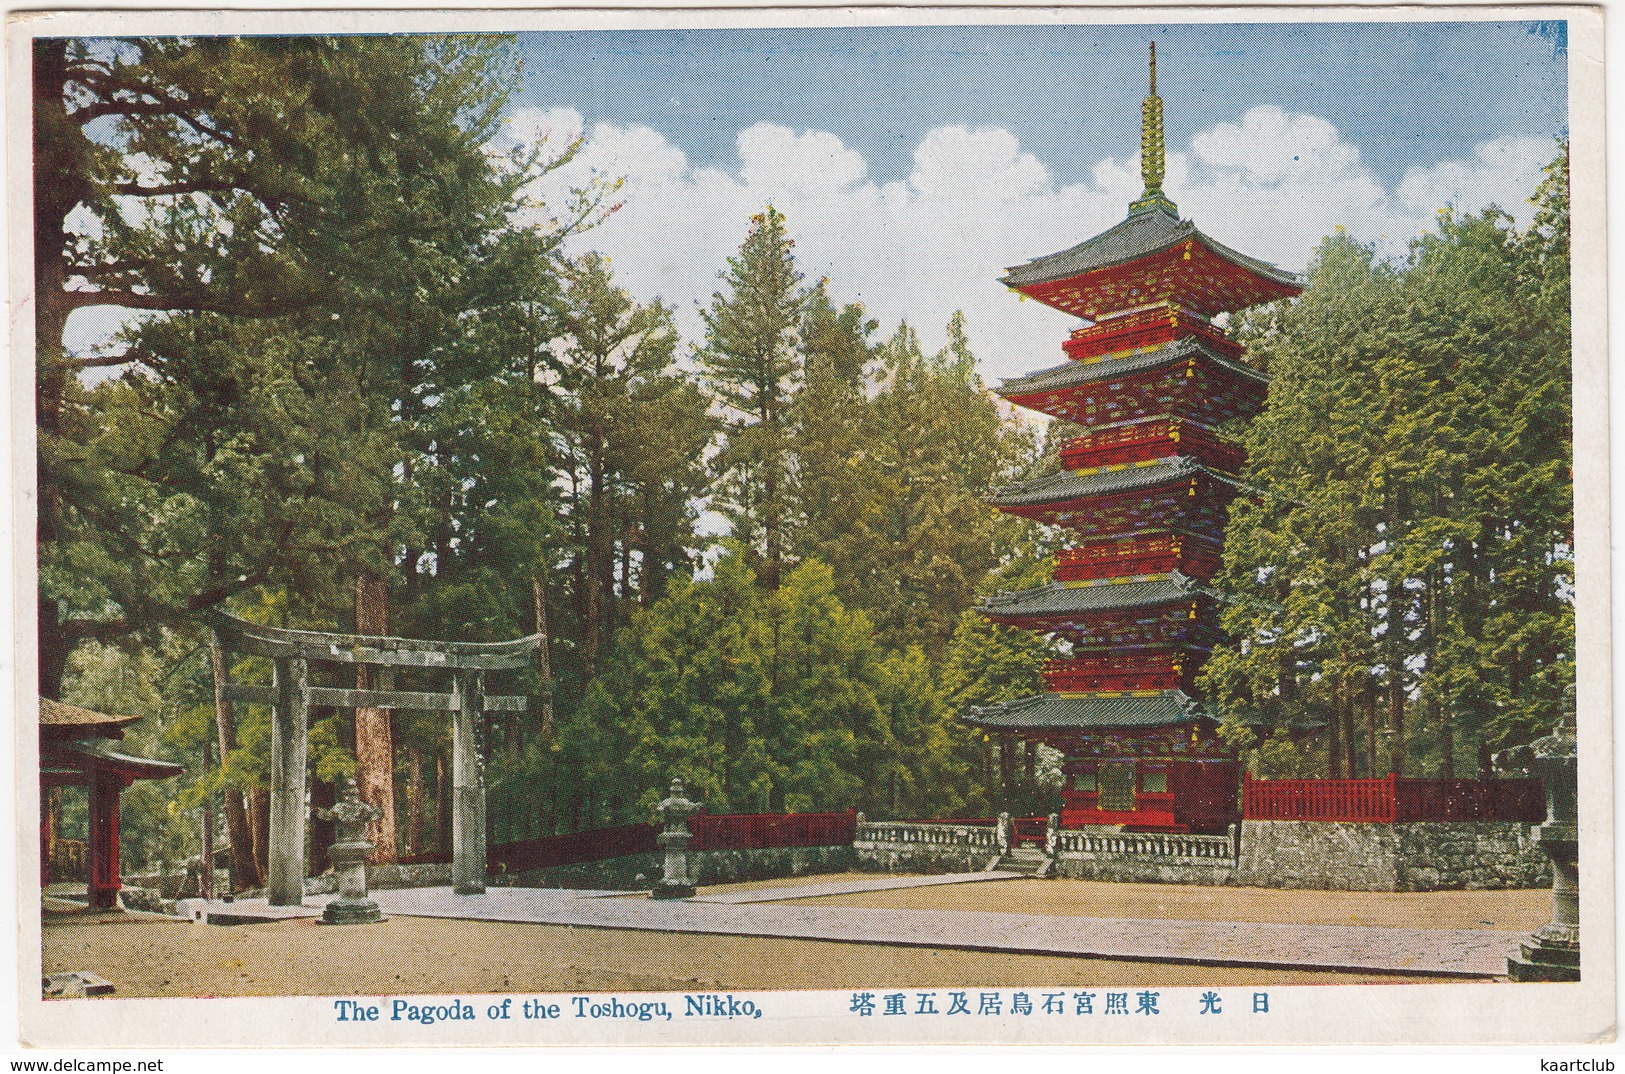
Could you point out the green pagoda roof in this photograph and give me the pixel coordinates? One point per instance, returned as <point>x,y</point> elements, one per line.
<point>1057,711</point>
<point>1148,231</point>
<point>1060,599</point>
<point>1064,486</point>
<point>1071,373</point>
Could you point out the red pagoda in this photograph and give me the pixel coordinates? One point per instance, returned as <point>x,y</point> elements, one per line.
<point>1153,379</point>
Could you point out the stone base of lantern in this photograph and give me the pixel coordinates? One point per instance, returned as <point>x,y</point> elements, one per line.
<point>352,907</point>
<point>1546,959</point>
<point>664,890</point>
<point>676,881</point>
<point>1552,952</point>
<point>351,912</point>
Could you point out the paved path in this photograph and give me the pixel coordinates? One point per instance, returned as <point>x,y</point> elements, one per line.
<point>853,887</point>
<point>1452,952</point>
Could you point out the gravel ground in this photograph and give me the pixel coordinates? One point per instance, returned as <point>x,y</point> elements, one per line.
<point>147,955</point>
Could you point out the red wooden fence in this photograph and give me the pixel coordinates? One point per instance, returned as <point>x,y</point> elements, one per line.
<point>1470,799</point>
<point>1028,830</point>
<point>594,844</point>
<point>1393,799</point>
<point>722,832</point>
<point>756,830</point>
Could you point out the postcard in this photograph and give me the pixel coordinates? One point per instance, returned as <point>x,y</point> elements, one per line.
<point>915,526</point>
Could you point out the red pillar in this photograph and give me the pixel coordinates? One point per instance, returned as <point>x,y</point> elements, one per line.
<point>105,788</point>
<point>47,833</point>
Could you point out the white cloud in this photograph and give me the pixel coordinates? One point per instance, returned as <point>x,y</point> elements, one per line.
<point>982,165</point>
<point>1271,148</point>
<point>1271,183</point>
<point>1503,172</point>
<point>775,157</point>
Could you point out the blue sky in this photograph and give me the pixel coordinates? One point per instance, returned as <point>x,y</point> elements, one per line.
<point>1406,94</point>
<point>915,164</point>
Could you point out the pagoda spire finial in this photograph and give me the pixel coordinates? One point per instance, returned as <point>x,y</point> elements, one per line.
<point>1153,153</point>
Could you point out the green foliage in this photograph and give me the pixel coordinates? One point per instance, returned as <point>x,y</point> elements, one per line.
<point>159,824</point>
<point>330,242</point>
<point>899,514</point>
<point>628,433</point>
<point>1406,573</point>
<point>765,701</point>
<point>752,368</point>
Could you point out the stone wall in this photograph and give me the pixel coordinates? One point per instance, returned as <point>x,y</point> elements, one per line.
<point>1390,857</point>
<point>1145,869</point>
<point>1318,854</point>
<point>1272,853</point>
<point>636,872</point>
<point>884,857</point>
<point>1470,855</point>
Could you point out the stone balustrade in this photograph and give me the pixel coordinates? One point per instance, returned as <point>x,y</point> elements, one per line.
<point>1146,844</point>
<point>954,836</point>
<point>1068,841</point>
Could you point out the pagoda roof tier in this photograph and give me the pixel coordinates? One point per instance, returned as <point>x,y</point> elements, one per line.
<point>1073,373</point>
<point>1151,255</point>
<point>1162,708</point>
<point>1061,599</point>
<point>1067,485</point>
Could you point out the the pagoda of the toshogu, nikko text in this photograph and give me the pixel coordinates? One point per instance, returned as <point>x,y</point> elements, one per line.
<point>1145,490</point>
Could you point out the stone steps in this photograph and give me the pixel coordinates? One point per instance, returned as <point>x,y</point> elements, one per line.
<point>1024,862</point>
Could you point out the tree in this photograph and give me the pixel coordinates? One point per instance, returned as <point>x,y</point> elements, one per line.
<point>751,367</point>
<point>685,693</point>
<point>833,439</point>
<point>899,480</point>
<point>631,430</point>
<point>328,244</point>
<point>1410,558</point>
<point>987,663</point>
<point>306,183</point>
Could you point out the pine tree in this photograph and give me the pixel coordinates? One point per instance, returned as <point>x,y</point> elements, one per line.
<point>752,368</point>
<point>907,530</point>
<point>615,374</point>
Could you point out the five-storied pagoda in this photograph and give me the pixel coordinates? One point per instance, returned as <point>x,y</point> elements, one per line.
<point>1153,380</point>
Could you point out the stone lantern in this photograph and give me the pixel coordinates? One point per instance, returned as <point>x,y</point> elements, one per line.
<point>1552,952</point>
<point>674,810</point>
<point>348,854</point>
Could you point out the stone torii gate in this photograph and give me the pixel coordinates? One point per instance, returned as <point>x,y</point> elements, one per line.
<point>290,697</point>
